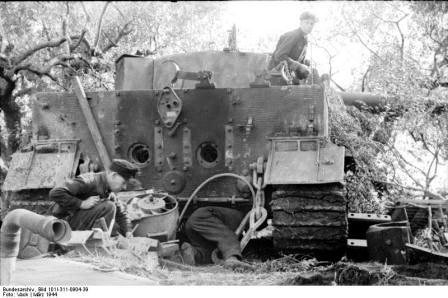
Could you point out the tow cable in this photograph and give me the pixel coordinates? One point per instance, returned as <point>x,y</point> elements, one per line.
<point>256,216</point>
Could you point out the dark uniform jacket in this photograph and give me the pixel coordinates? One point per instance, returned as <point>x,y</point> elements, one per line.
<point>292,44</point>
<point>70,195</point>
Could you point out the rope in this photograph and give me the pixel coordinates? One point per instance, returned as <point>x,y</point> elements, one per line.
<point>256,216</point>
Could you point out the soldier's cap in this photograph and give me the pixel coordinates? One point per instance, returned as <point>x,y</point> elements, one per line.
<point>123,168</point>
<point>308,16</point>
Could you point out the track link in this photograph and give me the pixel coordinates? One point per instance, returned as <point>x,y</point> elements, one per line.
<point>310,220</point>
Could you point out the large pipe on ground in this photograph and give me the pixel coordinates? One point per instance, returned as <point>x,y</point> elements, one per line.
<point>49,227</point>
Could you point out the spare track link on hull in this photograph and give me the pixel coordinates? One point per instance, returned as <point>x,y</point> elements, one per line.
<point>310,220</point>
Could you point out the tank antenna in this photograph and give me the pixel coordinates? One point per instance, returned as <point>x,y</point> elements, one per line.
<point>311,63</point>
<point>231,41</point>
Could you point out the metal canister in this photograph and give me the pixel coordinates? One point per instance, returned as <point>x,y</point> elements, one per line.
<point>386,242</point>
<point>163,223</point>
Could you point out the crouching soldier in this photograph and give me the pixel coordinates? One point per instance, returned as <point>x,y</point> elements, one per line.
<point>210,228</point>
<point>292,47</point>
<point>90,196</point>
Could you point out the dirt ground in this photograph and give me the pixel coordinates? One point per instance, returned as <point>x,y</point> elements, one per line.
<point>286,270</point>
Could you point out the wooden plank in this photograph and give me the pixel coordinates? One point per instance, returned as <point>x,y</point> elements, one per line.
<point>443,203</point>
<point>78,238</point>
<point>419,254</point>
<point>91,123</point>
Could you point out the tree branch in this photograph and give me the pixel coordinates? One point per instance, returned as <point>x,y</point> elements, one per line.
<point>22,92</point>
<point>402,40</point>
<point>428,177</point>
<point>330,58</point>
<point>337,85</point>
<point>125,30</point>
<point>396,7</point>
<point>48,44</point>
<point>5,41</point>
<point>425,144</point>
<point>98,29</point>
<point>110,40</point>
<point>80,39</point>
<point>85,12</point>
<point>65,28</point>
<point>64,20</point>
<point>41,71</point>
<point>119,11</point>
<point>436,167</point>
<point>389,21</point>
<point>364,79</point>
<point>366,46</point>
<point>401,158</point>
<point>360,39</point>
<point>426,193</point>
<point>45,30</point>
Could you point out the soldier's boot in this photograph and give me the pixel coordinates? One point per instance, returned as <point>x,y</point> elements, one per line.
<point>234,264</point>
<point>187,252</point>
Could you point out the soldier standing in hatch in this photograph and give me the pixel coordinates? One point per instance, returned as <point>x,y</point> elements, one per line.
<point>291,48</point>
<point>86,198</point>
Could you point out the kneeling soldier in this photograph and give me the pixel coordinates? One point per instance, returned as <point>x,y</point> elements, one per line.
<point>210,228</point>
<point>84,199</point>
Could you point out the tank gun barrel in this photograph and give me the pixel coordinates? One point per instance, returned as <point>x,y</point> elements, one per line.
<point>358,99</point>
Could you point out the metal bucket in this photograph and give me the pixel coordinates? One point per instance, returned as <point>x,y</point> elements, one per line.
<point>162,225</point>
<point>387,242</point>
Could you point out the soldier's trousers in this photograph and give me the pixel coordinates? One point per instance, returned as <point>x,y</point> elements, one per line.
<point>84,219</point>
<point>214,227</point>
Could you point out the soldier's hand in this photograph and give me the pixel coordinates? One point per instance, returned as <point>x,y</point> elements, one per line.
<point>90,202</point>
<point>303,69</point>
<point>294,65</point>
<point>129,235</point>
<point>299,68</point>
<point>112,197</point>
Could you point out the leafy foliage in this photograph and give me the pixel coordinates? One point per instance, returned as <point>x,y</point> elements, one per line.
<point>357,132</point>
<point>399,148</point>
<point>44,43</point>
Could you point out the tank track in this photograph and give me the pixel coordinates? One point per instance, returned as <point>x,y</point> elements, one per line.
<point>310,220</point>
<point>36,201</point>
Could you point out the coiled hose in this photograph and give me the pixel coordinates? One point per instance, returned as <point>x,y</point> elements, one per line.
<point>210,179</point>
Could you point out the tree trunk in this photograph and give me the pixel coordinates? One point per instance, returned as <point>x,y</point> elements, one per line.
<point>12,116</point>
<point>2,146</point>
